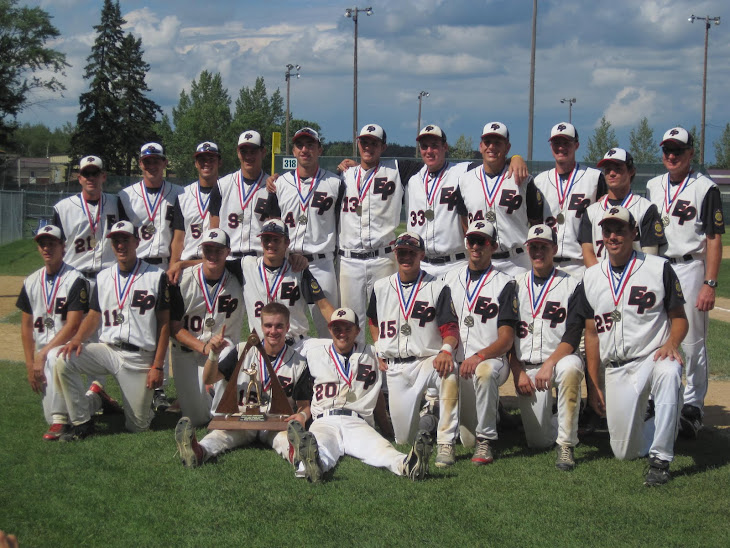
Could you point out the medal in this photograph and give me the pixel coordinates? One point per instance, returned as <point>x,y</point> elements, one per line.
<point>531,327</point>
<point>473,296</point>
<point>616,315</point>
<point>211,298</point>
<point>363,190</point>
<point>564,191</point>
<point>429,214</point>
<point>239,217</point>
<point>201,202</point>
<point>123,292</point>
<point>244,198</point>
<point>302,219</point>
<point>278,362</point>
<point>469,321</point>
<point>344,368</point>
<point>560,218</point>
<point>669,201</point>
<point>49,323</point>
<point>272,289</point>
<point>431,194</point>
<point>49,298</point>
<point>209,322</point>
<point>537,299</point>
<point>304,200</point>
<point>665,220</point>
<point>119,318</point>
<point>93,222</point>
<point>358,210</point>
<point>152,207</point>
<point>491,216</point>
<point>490,188</point>
<point>92,242</point>
<point>406,304</point>
<point>150,229</point>
<point>619,285</point>
<point>405,329</point>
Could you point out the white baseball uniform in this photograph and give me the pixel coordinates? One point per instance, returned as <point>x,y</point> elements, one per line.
<point>409,318</point>
<point>48,300</point>
<point>191,216</point>
<point>629,306</point>
<point>690,209</point>
<point>484,302</point>
<point>203,306</point>
<point>543,306</point>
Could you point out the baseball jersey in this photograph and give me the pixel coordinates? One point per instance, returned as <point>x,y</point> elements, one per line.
<point>409,315</point>
<point>543,308</point>
<point>309,208</point>
<point>191,215</point>
<point>434,205</point>
<point>127,302</point>
<point>204,306</point>
<point>242,205</point>
<point>635,323</point>
<point>690,209</point>
<point>501,201</point>
<point>151,211</point>
<point>84,226</point>
<point>48,300</point>
<point>566,196</point>
<point>288,365</point>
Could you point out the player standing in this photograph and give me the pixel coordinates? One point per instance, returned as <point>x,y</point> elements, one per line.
<point>691,209</point>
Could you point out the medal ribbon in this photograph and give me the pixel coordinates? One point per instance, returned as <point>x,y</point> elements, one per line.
<point>362,191</point>
<point>491,195</point>
<point>564,192</point>
<point>211,300</point>
<point>277,279</point>
<point>625,202</point>
<point>342,367</point>
<point>537,300</point>
<point>202,203</point>
<point>278,362</point>
<point>669,201</point>
<point>471,299</point>
<point>93,223</point>
<point>49,298</point>
<point>123,293</point>
<point>430,195</point>
<point>245,197</point>
<point>152,207</point>
<point>304,200</point>
<point>617,289</point>
<point>406,305</point>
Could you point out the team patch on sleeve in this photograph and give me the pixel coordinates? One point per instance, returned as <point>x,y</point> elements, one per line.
<point>83,295</point>
<point>658,229</point>
<point>719,221</point>
<point>515,305</point>
<point>315,286</point>
<point>678,288</point>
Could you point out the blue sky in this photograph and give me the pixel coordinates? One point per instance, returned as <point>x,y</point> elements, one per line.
<point>623,59</point>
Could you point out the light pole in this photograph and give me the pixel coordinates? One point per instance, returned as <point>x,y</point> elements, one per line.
<point>570,108</point>
<point>418,124</point>
<point>708,21</point>
<point>532,82</point>
<point>287,76</point>
<point>352,12</point>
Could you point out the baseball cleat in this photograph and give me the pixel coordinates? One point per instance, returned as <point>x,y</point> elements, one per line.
<point>294,433</point>
<point>564,460</point>
<point>55,431</point>
<point>690,422</point>
<point>309,453</point>
<point>191,454</point>
<point>109,405</point>
<point>482,453</point>
<point>159,400</point>
<point>78,432</point>
<point>658,472</point>
<point>415,465</point>
<point>445,455</point>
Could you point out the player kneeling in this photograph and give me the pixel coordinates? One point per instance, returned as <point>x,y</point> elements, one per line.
<point>346,389</point>
<point>543,294</point>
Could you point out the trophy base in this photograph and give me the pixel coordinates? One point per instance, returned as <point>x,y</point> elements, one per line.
<point>244,421</point>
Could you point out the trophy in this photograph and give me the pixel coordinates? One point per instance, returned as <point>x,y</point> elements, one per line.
<point>253,417</point>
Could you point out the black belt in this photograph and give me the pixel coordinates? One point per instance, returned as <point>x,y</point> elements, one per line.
<point>563,259</point>
<point>89,274</point>
<point>409,359</point>
<point>615,364</point>
<point>506,254</point>
<point>241,254</point>
<point>685,258</point>
<point>344,412</point>
<point>125,346</point>
<point>364,254</point>
<point>155,260</point>
<point>444,258</point>
<point>314,256</point>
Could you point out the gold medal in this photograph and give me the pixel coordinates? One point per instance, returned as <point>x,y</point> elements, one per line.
<point>616,315</point>
<point>239,217</point>
<point>469,321</point>
<point>209,322</point>
<point>358,210</point>
<point>302,219</point>
<point>120,318</point>
<point>405,329</point>
<point>150,229</point>
<point>665,220</point>
<point>491,216</point>
<point>429,214</point>
<point>49,323</point>
<point>531,327</point>
<point>560,218</point>
<point>92,242</point>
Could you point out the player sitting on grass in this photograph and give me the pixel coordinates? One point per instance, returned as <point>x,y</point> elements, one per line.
<point>346,388</point>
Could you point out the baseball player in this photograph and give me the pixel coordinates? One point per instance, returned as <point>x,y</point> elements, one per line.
<point>631,305</point>
<point>52,302</point>
<point>543,294</point>
<point>289,366</point>
<point>346,388</point>
<point>207,299</point>
<point>691,209</point>
<point>308,200</point>
<point>130,305</point>
<point>239,203</point>
<point>190,216</point>
<point>567,191</point>
<point>618,169</point>
<point>415,329</point>
<point>486,307</point>
<point>149,205</point>
<point>489,194</point>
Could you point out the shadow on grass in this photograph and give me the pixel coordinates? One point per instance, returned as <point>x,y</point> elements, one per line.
<point>710,450</point>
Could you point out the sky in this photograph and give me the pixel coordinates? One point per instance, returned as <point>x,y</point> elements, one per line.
<point>623,59</point>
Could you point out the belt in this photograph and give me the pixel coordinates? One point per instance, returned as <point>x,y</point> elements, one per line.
<point>363,254</point>
<point>315,256</point>
<point>343,412</point>
<point>561,259</point>
<point>241,254</point>
<point>155,260</point>
<point>443,259</point>
<point>125,346</point>
<point>683,259</point>
<point>506,254</point>
<point>181,347</point>
<point>89,274</point>
<point>615,364</point>
<point>409,359</point>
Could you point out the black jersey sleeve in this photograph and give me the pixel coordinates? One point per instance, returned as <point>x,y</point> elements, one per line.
<point>23,302</point>
<point>445,312</point>
<point>236,268</point>
<point>78,296</point>
<point>407,169</point>
<point>178,221</point>
<point>711,213</point>
<point>94,299</point>
<point>273,210</point>
<point>122,212</point>
<point>304,387</point>
<point>602,187</point>
<point>578,311</point>
<point>372,311</point>
<point>311,290</point>
<point>163,292</point>
<point>585,230</point>
<point>508,308</point>
<point>673,296</point>
<point>534,200</point>
<point>214,205</point>
<point>56,221</point>
<point>228,363</point>
<point>177,305</point>
<point>651,228</point>
<point>459,202</point>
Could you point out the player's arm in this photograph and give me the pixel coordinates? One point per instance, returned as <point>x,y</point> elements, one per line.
<point>534,200</point>
<point>448,325</point>
<point>313,294</point>
<point>381,417</point>
<point>214,207</point>
<point>518,169</point>
<point>213,368</point>
<point>589,257</point>
<point>69,329</point>
<point>677,332</point>
<point>35,379</point>
<point>372,314</point>
<point>651,234</point>
<point>593,369</point>
<point>162,313</point>
<point>585,239</point>
<point>185,338</point>
<point>88,327</point>
<point>706,297</point>
<point>302,393</point>
<point>523,384</point>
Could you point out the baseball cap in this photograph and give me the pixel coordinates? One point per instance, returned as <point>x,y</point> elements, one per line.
<point>618,213</point>
<point>306,132</point>
<point>151,149</point>
<point>616,155</point>
<point>216,236</point>
<point>409,240</point>
<point>90,161</point>
<point>564,129</point>
<point>495,128</point>
<point>207,147</point>
<point>52,231</point>
<point>542,233</point>
<point>484,228</point>
<point>274,226</point>
<point>250,138</point>
<point>373,130</point>
<point>432,130</point>
<point>344,315</point>
<point>123,227</point>
<point>678,136</point>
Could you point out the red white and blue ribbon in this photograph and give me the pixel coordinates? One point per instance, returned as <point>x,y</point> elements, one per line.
<point>625,203</point>
<point>342,366</point>
<point>363,190</point>
<point>273,288</point>
<point>471,298</point>
<point>202,202</point>
<point>50,298</point>
<point>245,197</point>
<point>491,194</point>
<point>564,190</point>
<point>406,304</point>
<point>93,223</point>
<point>304,200</point>
<point>618,286</point>
<point>211,299</point>
<point>669,201</point>
<point>437,178</point>
<point>123,292</point>
<point>538,299</point>
<point>152,206</point>
<point>278,362</point>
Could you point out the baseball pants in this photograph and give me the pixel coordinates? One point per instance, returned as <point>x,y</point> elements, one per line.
<point>542,429</point>
<point>129,369</point>
<point>195,401</point>
<point>220,441</point>
<point>627,393</point>
<point>479,398</point>
<point>54,406</point>
<point>517,264</point>
<point>323,271</point>
<point>407,383</point>
<point>440,270</point>
<point>574,267</point>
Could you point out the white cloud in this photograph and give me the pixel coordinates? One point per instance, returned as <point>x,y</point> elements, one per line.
<point>630,105</point>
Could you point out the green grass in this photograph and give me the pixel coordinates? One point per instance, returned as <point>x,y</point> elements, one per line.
<point>723,279</point>
<point>20,258</point>
<point>718,348</point>
<point>119,489</point>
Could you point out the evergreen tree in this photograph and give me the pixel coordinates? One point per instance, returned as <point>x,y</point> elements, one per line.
<point>722,149</point>
<point>463,149</point>
<point>643,147</point>
<point>602,140</point>
<point>256,110</point>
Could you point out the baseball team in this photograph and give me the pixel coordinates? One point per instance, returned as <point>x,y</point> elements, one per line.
<point>564,278</point>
